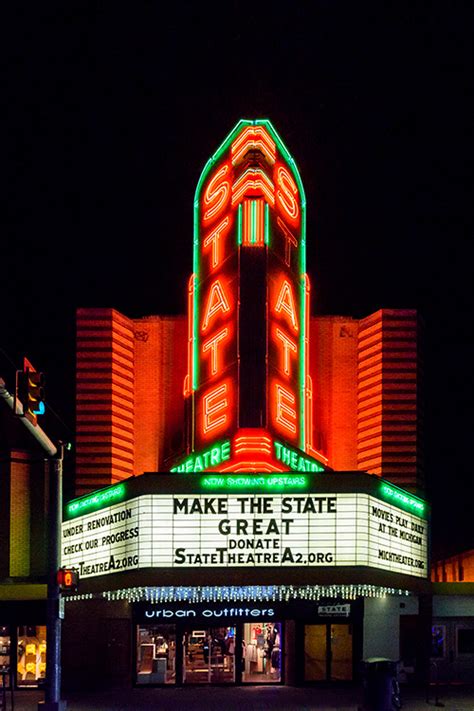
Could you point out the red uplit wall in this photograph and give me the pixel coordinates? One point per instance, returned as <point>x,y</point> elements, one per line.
<point>389,407</point>
<point>160,358</point>
<point>333,366</point>
<point>105,383</point>
<point>367,412</point>
<point>129,399</point>
<point>455,569</point>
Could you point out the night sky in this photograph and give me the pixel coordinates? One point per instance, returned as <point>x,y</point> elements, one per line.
<point>112,110</point>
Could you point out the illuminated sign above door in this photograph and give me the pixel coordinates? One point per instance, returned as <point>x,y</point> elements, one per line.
<point>273,521</point>
<point>240,530</point>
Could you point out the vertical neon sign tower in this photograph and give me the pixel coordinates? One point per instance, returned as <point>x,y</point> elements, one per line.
<point>248,305</point>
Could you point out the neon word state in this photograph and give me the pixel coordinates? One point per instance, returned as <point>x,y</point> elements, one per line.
<point>295,459</point>
<point>211,457</point>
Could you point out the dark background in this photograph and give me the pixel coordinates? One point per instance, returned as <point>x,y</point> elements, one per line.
<point>112,110</point>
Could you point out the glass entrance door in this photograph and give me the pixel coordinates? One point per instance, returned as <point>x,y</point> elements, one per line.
<point>328,652</point>
<point>315,652</point>
<point>209,655</point>
<point>341,653</point>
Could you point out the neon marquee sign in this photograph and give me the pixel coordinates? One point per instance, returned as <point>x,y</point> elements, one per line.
<point>211,457</point>
<point>402,498</point>
<point>296,460</point>
<point>248,303</point>
<point>259,483</point>
<point>97,500</point>
<point>216,456</point>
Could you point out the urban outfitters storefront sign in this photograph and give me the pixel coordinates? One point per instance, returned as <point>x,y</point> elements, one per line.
<point>246,530</point>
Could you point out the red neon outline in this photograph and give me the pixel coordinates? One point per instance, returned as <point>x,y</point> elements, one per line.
<point>253,180</point>
<point>260,223</point>
<point>243,439</point>
<point>215,197</point>
<point>286,302</point>
<point>257,449</point>
<point>290,239</point>
<point>211,344</point>
<point>252,434</point>
<point>214,238</point>
<point>188,380</point>
<point>252,441</point>
<point>247,221</point>
<point>253,138</point>
<point>288,345</point>
<point>281,408</point>
<point>209,410</point>
<point>307,378</point>
<point>251,467</point>
<point>252,444</point>
<point>213,308</point>
<point>286,196</point>
<point>309,414</point>
<point>317,455</point>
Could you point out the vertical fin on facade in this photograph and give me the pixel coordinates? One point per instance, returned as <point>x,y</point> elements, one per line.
<point>390,411</point>
<point>104,398</point>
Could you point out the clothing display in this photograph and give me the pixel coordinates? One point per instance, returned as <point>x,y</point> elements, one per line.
<point>209,654</point>
<point>275,658</point>
<point>261,656</point>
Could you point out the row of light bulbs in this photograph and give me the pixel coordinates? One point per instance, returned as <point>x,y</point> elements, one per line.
<point>247,593</point>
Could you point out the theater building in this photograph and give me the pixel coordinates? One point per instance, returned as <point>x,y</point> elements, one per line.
<point>243,578</point>
<point>249,504</point>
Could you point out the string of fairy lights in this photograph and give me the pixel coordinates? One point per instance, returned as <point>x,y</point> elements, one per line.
<point>246,593</point>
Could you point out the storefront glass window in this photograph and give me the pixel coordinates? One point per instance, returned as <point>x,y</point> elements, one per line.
<point>4,650</point>
<point>4,646</point>
<point>261,652</point>
<point>156,654</point>
<point>31,664</point>
<point>465,641</point>
<point>209,655</point>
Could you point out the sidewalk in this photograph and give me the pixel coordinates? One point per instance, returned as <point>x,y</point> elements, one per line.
<point>255,698</point>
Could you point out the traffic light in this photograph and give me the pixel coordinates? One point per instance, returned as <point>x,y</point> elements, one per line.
<point>68,579</point>
<point>30,391</point>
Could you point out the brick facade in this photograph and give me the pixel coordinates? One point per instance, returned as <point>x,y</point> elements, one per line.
<point>389,407</point>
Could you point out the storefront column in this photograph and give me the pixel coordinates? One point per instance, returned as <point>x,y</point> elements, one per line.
<point>290,656</point>
<point>424,622</point>
<point>381,627</point>
<point>179,659</point>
